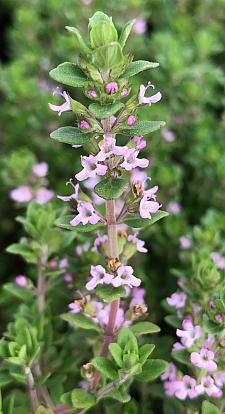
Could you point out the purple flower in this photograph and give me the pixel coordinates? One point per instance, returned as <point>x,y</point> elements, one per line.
<point>219,318</point>
<point>66,106</point>
<point>148,100</point>
<point>140,26</point>
<point>209,341</point>
<point>80,249</point>
<point>185,243</point>
<point>86,214</point>
<point>102,316</point>
<point>98,241</point>
<point>170,373</point>
<point>131,120</point>
<point>168,135</point>
<point>219,378</point>
<point>21,194</point>
<point>204,360</point>
<point>137,296</point>
<point>73,196</point>
<point>43,195</point>
<point>186,388</point>
<point>84,124</point>
<point>21,280</point>
<point>177,346</point>
<point>92,168</point>
<point>131,161</point>
<point>63,263</point>
<point>124,91</point>
<point>189,334</point>
<point>125,277</point>
<point>147,206</point>
<point>170,387</point>
<point>40,169</point>
<point>92,93</point>
<point>68,277</point>
<point>207,386</point>
<point>174,207</point>
<point>99,276</point>
<point>177,299</point>
<point>138,176</point>
<point>111,87</point>
<point>218,259</point>
<point>139,243</point>
<point>140,142</point>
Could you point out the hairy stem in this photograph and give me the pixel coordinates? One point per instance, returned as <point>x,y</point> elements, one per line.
<point>32,389</point>
<point>43,389</point>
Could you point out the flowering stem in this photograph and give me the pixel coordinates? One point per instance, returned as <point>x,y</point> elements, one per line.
<point>113,254</point>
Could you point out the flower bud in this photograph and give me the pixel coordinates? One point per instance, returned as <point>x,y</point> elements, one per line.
<point>111,87</point>
<point>133,198</point>
<point>114,264</point>
<point>84,124</point>
<point>92,93</point>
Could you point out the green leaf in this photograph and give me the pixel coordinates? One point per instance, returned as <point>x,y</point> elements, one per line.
<point>135,67</point>
<point>108,293</point>
<point>108,56</point>
<point>116,352</point>
<point>21,293</point>
<point>5,379</point>
<point>22,250</point>
<point>71,135</point>
<point>105,367</point>
<point>137,222</point>
<point>81,42</point>
<point>102,33</point>
<point>111,188</point>
<point>96,18</point>
<point>125,33</point>
<point>211,327</point>
<point>142,128</point>
<point>152,369</point>
<point>127,340</point>
<point>173,321</point>
<point>209,408</point>
<point>144,352</point>
<point>119,395</point>
<point>143,328</point>
<point>80,320</point>
<point>181,355</point>
<point>82,398</point>
<point>64,222</point>
<point>68,74</point>
<point>43,410</point>
<point>105,111</point>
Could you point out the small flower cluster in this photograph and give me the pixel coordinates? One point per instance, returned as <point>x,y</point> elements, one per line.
<point>36,189</point>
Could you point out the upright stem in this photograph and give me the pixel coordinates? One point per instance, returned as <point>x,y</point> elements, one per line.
<point>32,390</point>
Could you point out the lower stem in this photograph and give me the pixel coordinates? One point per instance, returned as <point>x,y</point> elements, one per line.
<point>113,254</point>
<point>32,390</point>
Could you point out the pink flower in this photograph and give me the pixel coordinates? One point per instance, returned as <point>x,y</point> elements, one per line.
<point>84,124</point>
<point>204,360</point>
<point>21,280</point>
<point>43,195</point>
<point>102,316</point>
<point>177,346</point>
<point>86,214</point>
<point>131,120</point>
<point>125,277</point>
<point>40,169</point>
<point>140,26</point>
<point>73,196</point>
<point>218,259</point>
<point>137,296</point>
<point>80,249</point>
<point>111,87</point>
<point>174,207</point>
<point>124,92</point>
<point>147,206</point>
<point>186,388</point>
<point>219,318</point>
<point>140,142</point>
<point>168,135</point>
<point>138,176</point>
<point>21,194</point>
<point>177,299</point>
<point>185,243</point>
<point>68,277</point>
<point>209,341</point>
<point>92,167</point>
<point>92,93</point>
<point>170,387</point>
<point>139,243</point>
<point>66,106</point>
<point>170,373</point>
<point>189,334</point>
<point>131,161</point>
<point>148,100</point>
<point>101,239</point>
<point>99,277</point>
<point>63,263</point>
<point>219,378</point>
<point>207,386</point>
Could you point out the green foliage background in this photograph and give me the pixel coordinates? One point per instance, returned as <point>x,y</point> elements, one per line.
<point>186,38</point>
